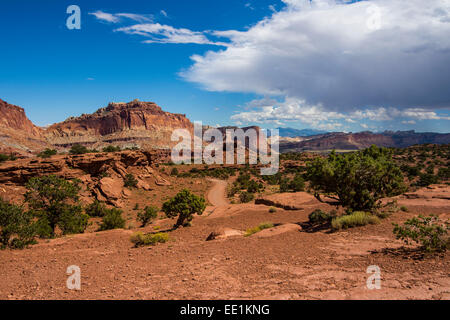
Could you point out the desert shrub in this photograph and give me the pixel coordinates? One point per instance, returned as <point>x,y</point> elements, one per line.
<point>96,209</point>
<point>426,179</point>
<point>112,220</point>
<point>3,157</point>
<point>184,205</point>
<point>17,229</point>
<point>297,184</point>
<point>284,185</point>
<point>140,239</point>
<point>78,149</point>
<point>444,173</point>
<point>262,226</point>
<point>246,196</point>
<point>147,215</point>
<point>130,181</point>
<point>404,209</point>
<point>254,187</point>
<point>55,200</point>
<point>430,232</point>
<point>174,172</point>
<point>111,148</point>
<point>321,217</point>
<point>355,219</point>
<point>73,220</point>
<point>272,210</point>
<point>358,179</point>
<point>47,153</point>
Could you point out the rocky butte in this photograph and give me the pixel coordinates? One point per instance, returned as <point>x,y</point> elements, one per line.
<point>134,124</point>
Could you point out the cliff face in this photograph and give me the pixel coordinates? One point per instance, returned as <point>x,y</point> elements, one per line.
<point>142,124</point>
<point>17,132</point>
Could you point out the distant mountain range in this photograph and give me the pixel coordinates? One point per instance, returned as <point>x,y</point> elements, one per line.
<point>361,140</point>
<point>292,133</point>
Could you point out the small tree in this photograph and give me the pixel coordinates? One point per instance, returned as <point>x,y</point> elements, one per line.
<point>55,201</point>
<point>111,148</point>
<point>147,215</point>
<point>17,229</point>
<point>358,179</point>
<point>184,205</point>
<point>430,232</point>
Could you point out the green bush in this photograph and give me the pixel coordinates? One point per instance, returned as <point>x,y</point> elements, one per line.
<point>430,232</point>
<point>426,179</point>
<point>404,209</point>
<point>111,148</point>
<point>78,149</point>
<point>3,157</point>
<point>262,226</point>
<point>140,239</point>
<point>297,184</point>
<point>130,181</point>
<point>355,219</point>
<point>272,210</point>
<point>47,153</point>
<point>112,220</point>
<point>246,197</point>
<point>73,220</point>
<point>96,209</point>
<point>17,229</point>
<point>358,179</point>
<point>321,217</point>
<point>147,215</point>
<point>184,205</point>
<point>55,201</point>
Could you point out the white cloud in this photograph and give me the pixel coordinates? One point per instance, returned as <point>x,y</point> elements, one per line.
<point>339,55</point>
<point>158,33</point>
<point>164,13</point>
<point>116,17</point>
<point>104,16</point>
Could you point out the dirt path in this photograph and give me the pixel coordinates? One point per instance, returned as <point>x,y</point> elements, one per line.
<point>217,194</point>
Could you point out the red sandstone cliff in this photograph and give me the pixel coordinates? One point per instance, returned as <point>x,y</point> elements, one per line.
<point>142,124</point>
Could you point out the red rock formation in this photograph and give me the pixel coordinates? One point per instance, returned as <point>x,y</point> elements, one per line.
<point>17,132</point>
<point>136,123</point>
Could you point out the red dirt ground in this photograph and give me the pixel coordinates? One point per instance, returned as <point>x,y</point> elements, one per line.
<point>281,264</point>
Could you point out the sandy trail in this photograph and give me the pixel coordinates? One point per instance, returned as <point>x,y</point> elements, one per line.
<point>217,194</point>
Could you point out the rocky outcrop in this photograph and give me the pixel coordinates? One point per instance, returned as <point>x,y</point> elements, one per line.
<point>101,174</point>
<point>142,124</point>
<point>17,133</point>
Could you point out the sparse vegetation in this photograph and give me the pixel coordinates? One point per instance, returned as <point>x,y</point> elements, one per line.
<point>355,219</point>
<point>130,181</point>
<point>148,214</point>
<point>141,239</point>
<point>17,229</point>
<point>96,209</point>
<point>112,220</point>
<point>111,148</point>
<point>272,210</point>
<point>319,217</point>
<point>430,232</point>
<point>184,205</point>
<point>47,153</point>
<point>78,149</point>
<point>262,226</point>
<point>246,197</point>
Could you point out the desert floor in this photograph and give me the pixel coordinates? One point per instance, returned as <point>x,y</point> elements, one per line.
<point>279,263</point>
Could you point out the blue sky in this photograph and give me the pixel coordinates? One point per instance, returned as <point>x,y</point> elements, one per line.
<point>216,61</point>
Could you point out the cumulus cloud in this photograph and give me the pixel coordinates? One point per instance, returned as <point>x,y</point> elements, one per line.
<point>342,56</point>
<point>268,110</point>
